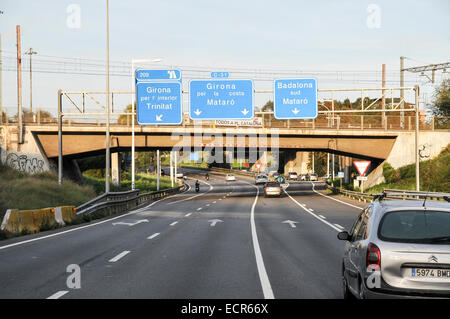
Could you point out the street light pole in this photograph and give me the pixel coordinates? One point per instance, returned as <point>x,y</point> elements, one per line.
<point>108,151</point>
<point>30,52</point>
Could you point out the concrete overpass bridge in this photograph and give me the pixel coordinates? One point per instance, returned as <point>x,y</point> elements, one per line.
<point>360,138</point>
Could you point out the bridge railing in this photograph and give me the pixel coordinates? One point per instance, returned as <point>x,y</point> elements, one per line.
<point>267,120</point>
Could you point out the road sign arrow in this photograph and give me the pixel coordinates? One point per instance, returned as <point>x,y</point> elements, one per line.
<point>214,222</point>
<point>295,111</point>
<point>198,112</point>
<point>131,224</point>
<point>290,222</point>
<point>245,112</point>
<point>159,118</point>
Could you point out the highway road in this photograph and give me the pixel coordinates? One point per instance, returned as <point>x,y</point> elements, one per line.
<point>228,241</point>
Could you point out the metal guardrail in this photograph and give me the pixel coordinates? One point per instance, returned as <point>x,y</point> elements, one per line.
<point>114,203</point>
<point>106,197</point>
<point>392,194</point>
<point>351,194</point>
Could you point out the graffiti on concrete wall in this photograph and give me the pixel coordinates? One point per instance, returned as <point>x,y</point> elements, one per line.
<point>424,151</point>
<point>28,163</point>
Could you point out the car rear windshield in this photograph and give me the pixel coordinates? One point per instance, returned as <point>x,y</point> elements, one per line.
<point>416,226</point>
<point>273,184</point>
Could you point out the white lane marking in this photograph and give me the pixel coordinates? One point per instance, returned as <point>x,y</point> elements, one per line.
<point>321,216</point>
<point>58,294</point>
<point>263,277</point>
<point>174,223</point>
<point>192,197</point>
<point>290,222</point>
<point>334,198</point>
<point>220,198</point>
<point>90,225</point>
<point>131,224</point>
<point>199,208</point>
<point>119,256</point>
<point>153,236</point>
<point>188,214</point>
<point>214,202</point>
<point>311,209</point>
<point>337,225</point>
<point>214,222</point>
<point>306,210</point>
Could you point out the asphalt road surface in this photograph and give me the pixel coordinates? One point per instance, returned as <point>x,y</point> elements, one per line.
<point>227,241</point>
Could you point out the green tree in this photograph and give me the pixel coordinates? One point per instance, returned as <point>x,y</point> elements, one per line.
<point>125,119</point>
<point>268,107</point>
<point>441,103</point>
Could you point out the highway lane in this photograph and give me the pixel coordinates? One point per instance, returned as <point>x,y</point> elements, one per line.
<point>302,261</point>
<point>192,259</point>
<point>178,253</point>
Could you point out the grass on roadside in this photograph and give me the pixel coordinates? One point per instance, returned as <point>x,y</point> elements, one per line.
<point>24,191</point>
<point>144,182</point>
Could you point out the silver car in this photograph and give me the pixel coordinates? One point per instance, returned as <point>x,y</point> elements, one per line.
<point>398,249</point>
<point>261,179</point>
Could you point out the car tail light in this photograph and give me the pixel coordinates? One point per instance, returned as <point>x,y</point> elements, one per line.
<point>373,257</point>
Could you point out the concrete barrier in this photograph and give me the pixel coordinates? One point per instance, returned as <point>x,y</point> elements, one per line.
<point>68,213</point>
<point>34,220</point>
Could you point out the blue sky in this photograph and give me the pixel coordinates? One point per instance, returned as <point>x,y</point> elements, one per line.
<point>300,35</point>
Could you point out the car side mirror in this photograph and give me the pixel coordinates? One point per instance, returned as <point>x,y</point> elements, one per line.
<point>344,235</point>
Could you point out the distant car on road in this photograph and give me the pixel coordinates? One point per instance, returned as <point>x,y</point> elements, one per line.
<point>398,249</point>
<point>179,175</point>
<point>312,177</point>
<point>272,188</point>
<point>230,177</point>
<point>292,176</point>
<point>302,177</point>
<point>261,179</point>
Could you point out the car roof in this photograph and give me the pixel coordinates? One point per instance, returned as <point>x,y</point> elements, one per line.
<point>388,205</point>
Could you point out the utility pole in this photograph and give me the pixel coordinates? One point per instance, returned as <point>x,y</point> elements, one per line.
<point>328,165</point>
<point>383,98</point>
<point>158,167</point>
<point>19,90</point>
<point>30,52</point>
<point>416,138</point>
<point>402,92</point>
<point>108,151</point>
<point>332,166</point>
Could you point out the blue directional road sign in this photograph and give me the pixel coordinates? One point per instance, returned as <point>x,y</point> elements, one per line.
<point>159,103</point>
<point>221,99</point>
<point>295,99</point>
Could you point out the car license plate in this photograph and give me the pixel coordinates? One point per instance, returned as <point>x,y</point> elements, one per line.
<point>430,273</point>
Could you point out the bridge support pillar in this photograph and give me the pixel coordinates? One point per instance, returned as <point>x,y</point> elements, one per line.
<point>115,168</point>
<point>296,162</point>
